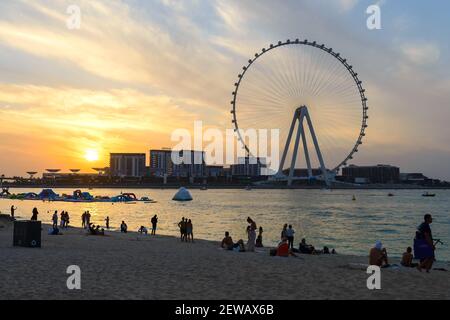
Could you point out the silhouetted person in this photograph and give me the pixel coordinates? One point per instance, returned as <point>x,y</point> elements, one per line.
<point>123,227</point>
<point>35,214</point>
<point>424,238</point>
<point>107,222</point>
<point>13,210</point>
<point>154,222</point>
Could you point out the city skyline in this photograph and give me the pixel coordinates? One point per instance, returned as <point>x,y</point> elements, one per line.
<point>136,71</point>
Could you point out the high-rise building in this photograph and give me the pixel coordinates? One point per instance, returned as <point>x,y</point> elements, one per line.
<point>161,162</point>
<point>183,163</point>
<point>127,164</point>
<point>249,167</point>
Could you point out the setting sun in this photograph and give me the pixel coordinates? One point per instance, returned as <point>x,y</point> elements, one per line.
<point>91,155</point>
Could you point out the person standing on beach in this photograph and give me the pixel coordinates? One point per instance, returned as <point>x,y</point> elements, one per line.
<point>283,232</point>
<point>35,214</point>
<point>67,220</point>
<point>83,220</point>
<point>154,222</point>
<point>251,235</point>
<point>182,226</point>
<point>62,219</point>
<point>290,237</point>
<point>107,222</point>
<point>259,243</point>
<point>425,248</point>
<point>189,231</point>
<point>13,210</point>
<point>88,218</point>
<point>55,220</point>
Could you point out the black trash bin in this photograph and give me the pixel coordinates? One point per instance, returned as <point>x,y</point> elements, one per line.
<point>27,234</point>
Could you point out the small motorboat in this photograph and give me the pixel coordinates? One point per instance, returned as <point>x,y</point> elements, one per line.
<point>427,194</point>
<point>390,195</point>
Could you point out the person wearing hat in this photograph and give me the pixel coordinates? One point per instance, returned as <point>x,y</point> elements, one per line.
<point>378,255</point>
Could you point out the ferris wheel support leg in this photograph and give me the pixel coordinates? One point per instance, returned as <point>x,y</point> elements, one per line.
<point>316,145</point>
<point>294,156</point>
<point>286,147</point>
<point>305,149</point>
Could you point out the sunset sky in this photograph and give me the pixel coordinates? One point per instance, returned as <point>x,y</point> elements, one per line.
<point>137,70</point>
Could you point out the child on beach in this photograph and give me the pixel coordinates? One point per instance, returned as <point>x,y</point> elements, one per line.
<point>259,243</point>
<point>407,259</point>
<point>123,227</point>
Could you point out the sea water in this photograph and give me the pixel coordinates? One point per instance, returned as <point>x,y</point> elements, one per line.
<point>323,217</point>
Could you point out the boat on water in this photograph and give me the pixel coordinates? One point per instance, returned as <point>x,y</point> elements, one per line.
<point>427,194</point>
<point>390,195</point>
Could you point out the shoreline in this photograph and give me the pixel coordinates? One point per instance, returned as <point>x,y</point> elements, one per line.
<point>134,266</point>
<point>231,187</point>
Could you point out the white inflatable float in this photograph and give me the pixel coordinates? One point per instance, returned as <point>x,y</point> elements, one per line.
<point>182,195</point>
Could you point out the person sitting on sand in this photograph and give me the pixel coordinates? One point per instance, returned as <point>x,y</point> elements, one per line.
<point>378,255</point>
<point>283,249</point>
<point>259,243</point>
<point>407,259</point>
<point>227,243</point>
<point>99,232</point>
<point>306,248</point>
<point>123,227</point>
<point>54,231</point>
<point>142,230</point>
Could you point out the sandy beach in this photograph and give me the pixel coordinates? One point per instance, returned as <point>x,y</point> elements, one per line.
<point>133,266</point>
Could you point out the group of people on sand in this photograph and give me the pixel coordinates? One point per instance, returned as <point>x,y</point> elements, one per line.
<point>424,250</point>
<point>64,219</point>
<point>186,230</point>
<point>285,247</point>
<point>85,219</point>
<point>96,230</point>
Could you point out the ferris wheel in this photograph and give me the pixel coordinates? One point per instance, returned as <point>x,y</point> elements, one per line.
<point>298,85</point>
